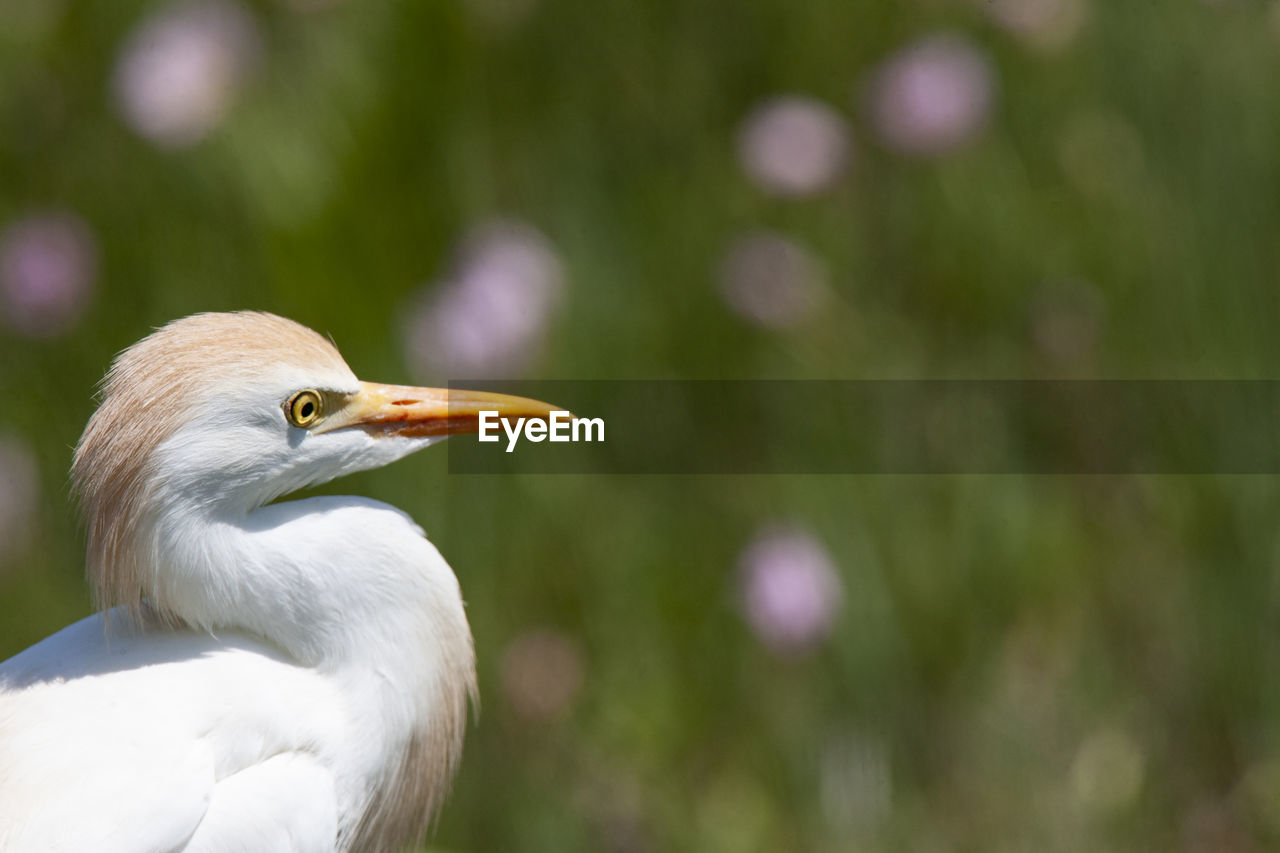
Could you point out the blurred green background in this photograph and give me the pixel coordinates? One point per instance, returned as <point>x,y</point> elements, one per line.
<point>717,189</point>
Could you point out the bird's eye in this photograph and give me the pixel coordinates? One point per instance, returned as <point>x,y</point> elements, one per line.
<point>303,408</point>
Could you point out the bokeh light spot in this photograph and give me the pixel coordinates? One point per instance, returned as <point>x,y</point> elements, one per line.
<point>794,146</point>
<point>771,280</point>
<point>791,592</point>
<point>541,674</point>
<point>932,96</point>
<point>181,69</point>
<point>48,266</point>
<point>489,319</point>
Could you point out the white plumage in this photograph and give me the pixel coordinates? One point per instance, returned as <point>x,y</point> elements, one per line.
<point>269,676</point>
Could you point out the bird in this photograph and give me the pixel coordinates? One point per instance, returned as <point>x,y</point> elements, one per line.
<point>260,674</point>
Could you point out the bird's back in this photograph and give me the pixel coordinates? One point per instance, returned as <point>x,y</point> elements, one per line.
<point>122,739</point>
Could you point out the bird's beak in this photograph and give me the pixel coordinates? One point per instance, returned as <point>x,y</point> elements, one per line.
<point>416,412</point>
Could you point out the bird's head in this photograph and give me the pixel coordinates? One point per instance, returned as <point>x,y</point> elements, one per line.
<point>221,413</point>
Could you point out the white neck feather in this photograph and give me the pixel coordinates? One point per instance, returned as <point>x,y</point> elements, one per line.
<point>352,587</point>
<point>327,579</point>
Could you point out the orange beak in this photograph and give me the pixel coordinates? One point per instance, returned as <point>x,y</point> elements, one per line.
<point>409,411</point>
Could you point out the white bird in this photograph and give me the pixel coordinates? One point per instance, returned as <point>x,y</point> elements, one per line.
<point>265,676</point>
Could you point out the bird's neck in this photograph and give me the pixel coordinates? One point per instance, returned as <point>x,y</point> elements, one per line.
<point>328,579</point>
<point>351,587</point>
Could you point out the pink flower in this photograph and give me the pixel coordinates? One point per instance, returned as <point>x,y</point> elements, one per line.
<point>48,262</point>
<point>770,280</point>
<point>181,69</point>
<point>490,317</point>
<point>794,146</point>
<point>790,589</point>
<point>932,96</point>
<point>541,674</point>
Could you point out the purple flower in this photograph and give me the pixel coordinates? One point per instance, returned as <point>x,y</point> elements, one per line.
<point>541,674</point>
<point>48,262</point>
<point>19,491</point>
<point>771,280</point>
<point>932,96</point>
<point>794,146</point>
<point>490,317</point>
<point>181,69</point>
<point>791,591</point>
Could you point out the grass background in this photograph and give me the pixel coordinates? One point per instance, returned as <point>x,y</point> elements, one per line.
<point>1021,663</point>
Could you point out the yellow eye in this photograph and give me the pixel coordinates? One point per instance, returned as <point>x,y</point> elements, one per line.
<point>304,408</point>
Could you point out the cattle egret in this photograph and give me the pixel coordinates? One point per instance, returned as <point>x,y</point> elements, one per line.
<point>264,676</point>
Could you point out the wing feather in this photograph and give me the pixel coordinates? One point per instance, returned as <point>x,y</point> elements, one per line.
<point>145,743</point>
